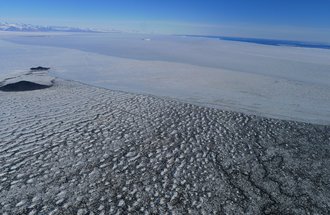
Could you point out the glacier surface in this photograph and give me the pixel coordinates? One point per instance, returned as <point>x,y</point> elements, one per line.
<point>78,149</point>
<point>276,81</point>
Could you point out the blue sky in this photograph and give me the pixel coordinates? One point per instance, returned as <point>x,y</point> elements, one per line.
<point>290,19</point>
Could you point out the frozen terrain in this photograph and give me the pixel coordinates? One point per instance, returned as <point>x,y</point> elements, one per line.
<point>23,81</point>
<point>72,148</point>
<point>76,149</point>
<point>275,81</point>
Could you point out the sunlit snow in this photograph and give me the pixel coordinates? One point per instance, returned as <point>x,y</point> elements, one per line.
<point>281,82</point>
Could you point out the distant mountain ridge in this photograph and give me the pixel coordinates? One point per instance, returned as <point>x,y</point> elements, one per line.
<point>19,27</point>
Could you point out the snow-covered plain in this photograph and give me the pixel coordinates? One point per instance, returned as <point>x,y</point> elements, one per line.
<point>281,82</point>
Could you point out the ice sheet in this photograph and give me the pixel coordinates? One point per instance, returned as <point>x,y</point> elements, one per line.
<point>281,82</point>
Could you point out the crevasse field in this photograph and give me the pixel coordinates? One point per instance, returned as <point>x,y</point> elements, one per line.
<point>274,81</point>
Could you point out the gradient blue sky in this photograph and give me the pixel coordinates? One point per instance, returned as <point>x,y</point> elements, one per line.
<point>289,19</point>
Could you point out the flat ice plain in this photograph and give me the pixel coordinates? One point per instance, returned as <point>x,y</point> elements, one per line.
<point>275,81</point>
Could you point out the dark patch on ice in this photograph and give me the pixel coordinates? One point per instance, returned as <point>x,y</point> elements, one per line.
<point>23,86</point>
<point>39,68</point>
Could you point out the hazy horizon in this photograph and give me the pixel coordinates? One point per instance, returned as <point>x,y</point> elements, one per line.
<point>294,20</point>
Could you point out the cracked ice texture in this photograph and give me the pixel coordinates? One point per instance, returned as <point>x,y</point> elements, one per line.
<point>77,149</point>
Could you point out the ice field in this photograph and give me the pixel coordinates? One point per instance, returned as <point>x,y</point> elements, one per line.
<point>275,81</point>
<point>77,149</point>
<point>146,124</point>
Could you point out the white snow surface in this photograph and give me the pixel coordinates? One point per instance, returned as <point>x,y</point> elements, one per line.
<point>275,81</point>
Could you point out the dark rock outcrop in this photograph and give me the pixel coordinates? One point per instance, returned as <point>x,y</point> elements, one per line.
<point>39,68</point>
<point>22,86</point>
<point>35,79</point>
